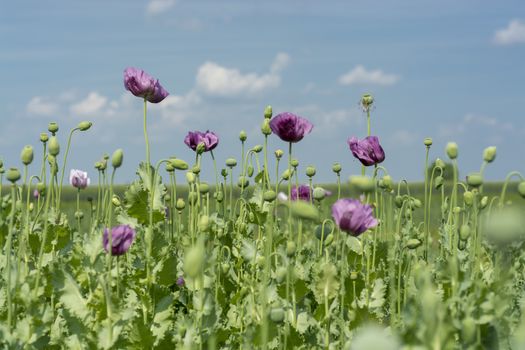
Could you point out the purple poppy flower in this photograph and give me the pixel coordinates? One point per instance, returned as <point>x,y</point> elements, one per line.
<point>79,179</point>
<point>303,192</point>
<point>121,238</point>
<point>36,194</point>
<point>180,281</point>
<point>352,216</point>
<point>368,151</point>
<point>208,139</point>
<point>141,84</point>
<point>290,127</point>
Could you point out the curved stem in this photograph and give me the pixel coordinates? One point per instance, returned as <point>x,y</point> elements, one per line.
<point>64,168</point>
<point>506,183</point>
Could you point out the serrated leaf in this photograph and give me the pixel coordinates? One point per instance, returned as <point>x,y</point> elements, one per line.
<point>72,298</point>
<point>162,320</point>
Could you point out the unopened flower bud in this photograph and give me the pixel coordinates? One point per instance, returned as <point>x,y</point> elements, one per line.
<point>452,150</point>
<point>194,260</point>
<point>268,112</point>
<point>204,188</point>
<point>243,136</point>
<point>116,201</point>
<point>413,243</point>
<point>41,188</point>
<point>336,168</point>
<point>265,127</point>
<point>224,173</point>
<point>190,177</point>
<point>117,158</point>
<point>398,201</point>
<point>456,210</point>
<point>304,210</point>
<point>474,179</point>
<point>179,164</point>
<point>464,232</point>
<point>180,205</point>
<point>169,168</point>
<point>204,223</point>
<point>279,153</point>
<point>53,146</point>
<point>294,162</point>
<point>366,101</point>
<point>219,196</point>
<point>290,248</point>
<point>103,164</point>
<point>192,198</point>
<point>387,181</point>
<point>440,163</point>
<point>26,156</point>
<point>79,215</point>
<point>277,314</point>
<point>287,174</point>
<point>250,171</point>
<point>83,126</point>
<point>310,171</point>
<point>468,198</point>
<point>362,183</point>
<point>428,141</point>
<point>319,193</point>
<point>44,137</point>
<point>201,147</point>
<point>257,148</point>
<point>354,275</point>
<point>52,127</point>
<point>438,182</point>
<point>231,162</point>
<point>489,154</point>
<point>13,175</point>
<point>483,202</point>
<point>196,169</point>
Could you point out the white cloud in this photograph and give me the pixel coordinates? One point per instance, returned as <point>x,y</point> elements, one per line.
<point>41,106</point>
<point>403,138</point>
<point>327,121</point>
<point>217,80</point>
<point>156,7</point>
<point>92,104</point>
<point>360,76</point>
<point>513,34</point>
<point>471,121</point>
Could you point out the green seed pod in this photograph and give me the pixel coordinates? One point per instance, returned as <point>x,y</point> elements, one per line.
<point>116,201</point>
<point>225,267</point>
<point>194,260</point>
<point>231,162</point>
<point>52,127</point>
<point>468,198</point>
<point>179,164</point>
<point>83,126</point>
<point>440,163</point>
<point>366,101</point>
<point>294,162</point>
<point>167,198</point>
<point>280,274</point>
<point>362,183</point>
<point>41,188</point>
<point>103,164</point>
<point>196,169</point>
<point>250,171</point>
<point>416,203</point>
<point>26,156</point>
<point>169,168</point>
<point>268,112</point>
<point>13,175</point>
<point>474,180</point>
<point>398,201</point>
<point>290,248</point>
<point>180,205</point>
<point>224,173</point>
<point>438,182</point>
<point>452,150</point>
<point>319,193</point>
<point>387,182</point>
<point>279,153</point>
<point>19,205</point>
<point>243,182</point>
<point>336,168</point>
<point>190,177</point>
<point>323,232</point>
<point>192,198</point>
<point>277,314</point>
<point>44,137</point>
<point>287,174</point>
<point>265,127</point>
<point>31,206</point>
<point>489,154</point>
<point>79,215</point>
<point>117,158</point>
<point>310,171</point>
<point>329,239</point>
<point>484,201</point>
<point>269,196</point>
<point>204,188</point>
<point>456,210</point>
<point>354,275</point>
<point>304,210</point>
<point>257,148</point>
<point>464,232</point>
<point>204,223</point>
<point>243,136</point>
<point>468,330</point>
<point>413,243</point>
<point>521,189</point>
<point>53,146</point>
<point>260,260</point>
<point>201,147</point>
<point>427,142</point>
<point>219,197</point>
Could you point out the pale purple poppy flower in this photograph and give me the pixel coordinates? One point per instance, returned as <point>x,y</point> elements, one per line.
<point>209,139</point>
<point>290,127</point>
<point>121,238</point>
<point>79,179</point>
<point>303,192</point>
<point>352,216</point>
<point>141,84</point>
<point>36,194</point>
<point>180,281</point>
<point>368,151</point>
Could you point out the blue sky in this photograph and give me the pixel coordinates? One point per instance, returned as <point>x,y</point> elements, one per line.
<point>450,70</point>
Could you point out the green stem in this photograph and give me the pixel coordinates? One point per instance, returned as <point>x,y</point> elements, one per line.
<point>64,168</point>
<point>8,257</point>
<point>506,183</point>
<point>425,218</point>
